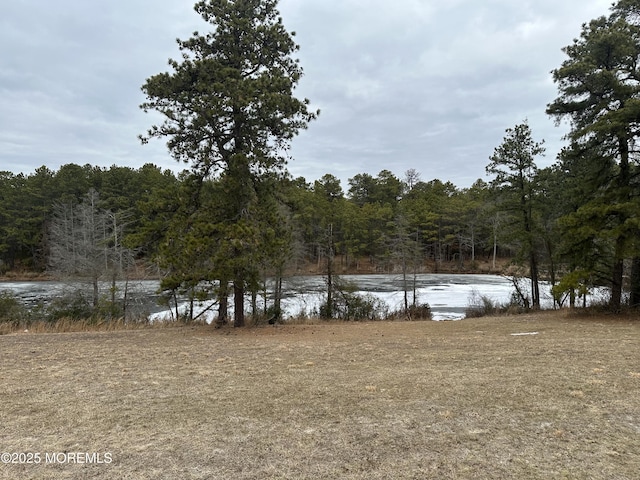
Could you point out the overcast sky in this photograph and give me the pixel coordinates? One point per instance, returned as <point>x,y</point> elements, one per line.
<point>424,84</point>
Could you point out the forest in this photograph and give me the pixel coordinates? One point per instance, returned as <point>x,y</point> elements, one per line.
<point>88,221</point>
<point>233,218</point>
<point>109,223</point>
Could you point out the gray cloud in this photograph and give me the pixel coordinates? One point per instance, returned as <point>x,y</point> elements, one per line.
<point>407,84</point>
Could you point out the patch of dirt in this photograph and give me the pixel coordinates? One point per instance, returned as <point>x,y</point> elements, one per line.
<point>465,399</point>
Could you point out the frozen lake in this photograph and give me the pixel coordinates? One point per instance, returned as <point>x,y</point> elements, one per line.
<point>447,294</point>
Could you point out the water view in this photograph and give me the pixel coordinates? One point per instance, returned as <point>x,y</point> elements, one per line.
<point>447,294</point>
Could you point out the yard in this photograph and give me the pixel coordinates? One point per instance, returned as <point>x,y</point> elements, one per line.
<point>542,396</point>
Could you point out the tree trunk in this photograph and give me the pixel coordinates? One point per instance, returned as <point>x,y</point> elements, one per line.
<point>616,284</point>
<point>535,286</point>
<point>552,267</point>
<point>495,249</point>
<point>238,303</point>
<point>623,189</point>
<point>496,226</point>
<point>125,298</point>
<point>405,286</point>
<point>277,301</point>
<point>96,296</point>
<point>254,303</point>
<point>329,310</point>
<point>528,228</point>
<point>473,246</point>
<point>634,298</point>
<point>113,289</point>
<point>174,293</point>
<point>572,298</point>
<point>223,304</point>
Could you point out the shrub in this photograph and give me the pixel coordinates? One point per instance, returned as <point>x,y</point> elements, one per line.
<point>484,306</point>
<point>74,306</point>
<point>479,306</point>
<point>420,312</point>
<point>413,312</point>
<point>12,311</point>
<point>348,305</point>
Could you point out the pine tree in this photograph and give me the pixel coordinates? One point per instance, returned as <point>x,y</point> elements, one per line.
<point>599,91</point>
<point>516,176</point>
<point>229,107</point>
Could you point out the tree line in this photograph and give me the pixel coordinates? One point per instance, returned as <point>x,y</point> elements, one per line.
<point>235,216</point>
<point>97,223</point>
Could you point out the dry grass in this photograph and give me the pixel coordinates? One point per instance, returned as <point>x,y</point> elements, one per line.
<point>450,400</point>
<point>66,325</point>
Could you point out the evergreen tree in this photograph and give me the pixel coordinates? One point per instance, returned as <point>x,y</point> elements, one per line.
<point>513,164</point>
<point>599,91</point>
<point>229,107</point>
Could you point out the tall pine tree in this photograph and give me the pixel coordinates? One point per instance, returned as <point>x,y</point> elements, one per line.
<point>513,164</point>
<point>599,92</point>
<point>229,107</point>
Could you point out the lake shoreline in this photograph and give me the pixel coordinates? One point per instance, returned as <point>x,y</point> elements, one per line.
<point>447,294</point>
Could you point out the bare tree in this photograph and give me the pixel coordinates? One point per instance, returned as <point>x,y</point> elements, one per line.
<point>86,243</point>
<point>411,177</point>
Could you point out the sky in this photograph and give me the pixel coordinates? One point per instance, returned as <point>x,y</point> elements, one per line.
<point>429,85</point>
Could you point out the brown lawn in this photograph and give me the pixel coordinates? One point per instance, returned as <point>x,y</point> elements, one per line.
<point>450,400</point>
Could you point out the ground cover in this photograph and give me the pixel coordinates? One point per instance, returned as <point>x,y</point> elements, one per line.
<point>536,396</point>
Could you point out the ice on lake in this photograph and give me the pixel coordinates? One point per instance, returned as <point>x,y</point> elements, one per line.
<point>448,295</point>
